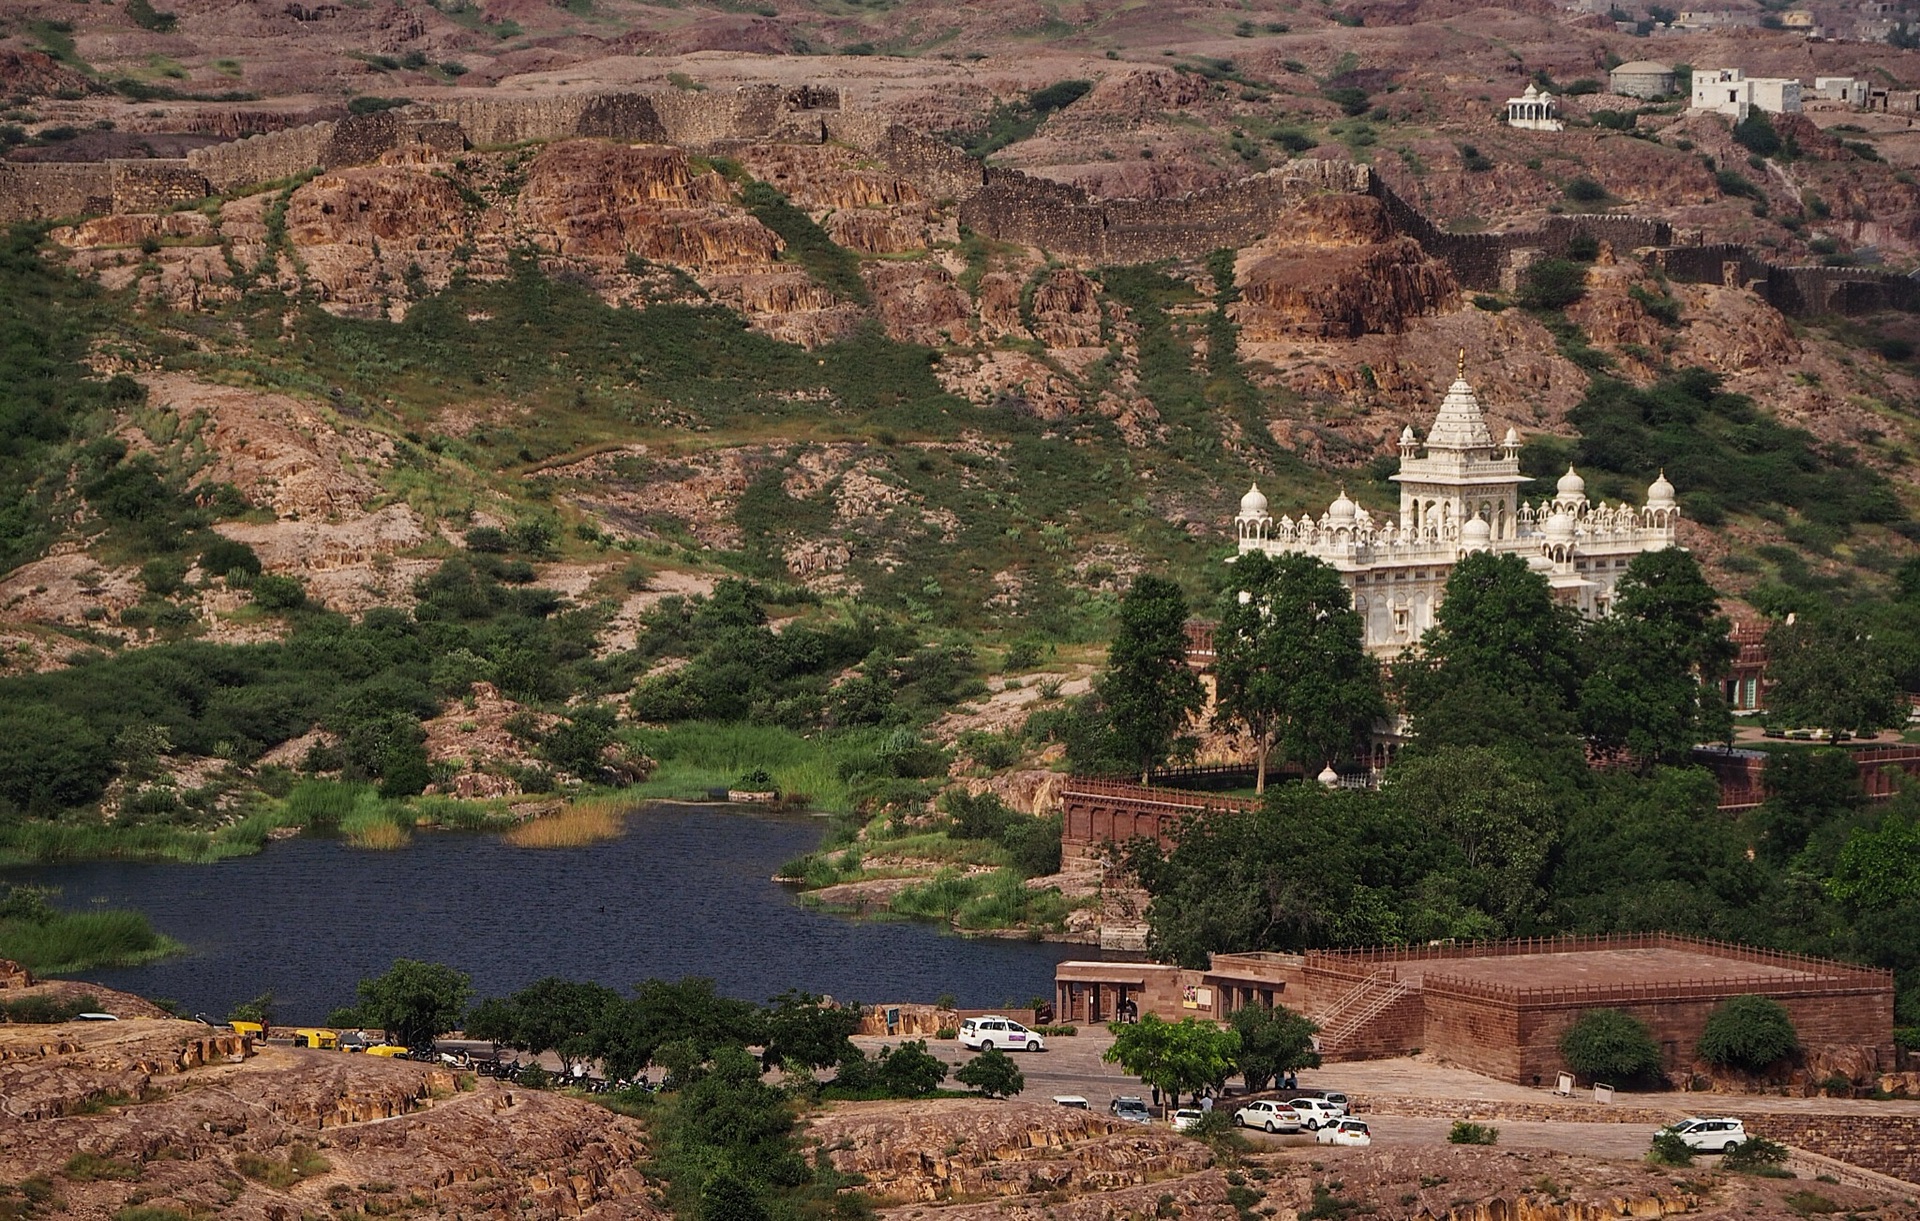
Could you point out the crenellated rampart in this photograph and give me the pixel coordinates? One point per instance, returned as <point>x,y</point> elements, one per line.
<point>1008,205</point>
<point>264,158</point>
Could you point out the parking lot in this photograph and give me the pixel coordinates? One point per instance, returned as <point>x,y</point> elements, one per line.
<point>1073,1066</point>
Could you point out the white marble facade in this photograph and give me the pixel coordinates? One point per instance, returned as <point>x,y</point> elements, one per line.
<point>1463,495</point>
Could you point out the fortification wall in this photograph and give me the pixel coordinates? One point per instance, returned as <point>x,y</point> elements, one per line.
<point>32,190</point>
<point>512,120</point>
<point>1889,1144</point>
<point>1063,219</point>
<point>1719,263</point>
<point>936,168</point>
<point>154,185</point>
<point>1848,291</point>
<point>264,158</point>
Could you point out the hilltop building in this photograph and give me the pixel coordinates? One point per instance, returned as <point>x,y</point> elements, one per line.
<point>1731,92</point>
<point>1849,89</point>
<point>1643,78</point>
<point>1535,110</point>
<point>1461,496</point>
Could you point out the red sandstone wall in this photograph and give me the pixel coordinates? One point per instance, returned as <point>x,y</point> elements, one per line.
<point>1889,1144</point>
<point>1476,1034</point>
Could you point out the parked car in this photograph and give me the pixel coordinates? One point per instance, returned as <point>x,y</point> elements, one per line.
<point>1186,1118</point>
<point>1315,1113</point>
<point>1711,1135</point>
<point>1271,1116</point>
<point>1133,1110</point>
<point>993,1030</point>
<point>1070,1100</point>
<point>1344,1132</point>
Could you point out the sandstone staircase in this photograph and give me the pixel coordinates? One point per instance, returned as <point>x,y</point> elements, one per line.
<point>1360,1022</point>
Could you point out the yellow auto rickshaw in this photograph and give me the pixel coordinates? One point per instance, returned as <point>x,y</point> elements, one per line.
<point>389,1050</point>
<point>310,1036</point>
<point>256,1029</point>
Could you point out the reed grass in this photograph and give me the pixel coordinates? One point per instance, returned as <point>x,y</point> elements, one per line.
<point>587,821</point>
<point>697,756</point>
<point>377,824</point>
<point>83,941</point>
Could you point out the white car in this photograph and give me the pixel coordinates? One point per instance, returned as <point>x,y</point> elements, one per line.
<point>1711,1135</point>
<point>1271,1116</point>
<point>1344,1132</point>
<point>993,1030</point>
<point>1186,1118</point>
<point>1315,1113</point>
<point>1133,1110</point>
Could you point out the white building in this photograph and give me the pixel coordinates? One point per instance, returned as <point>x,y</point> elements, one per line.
<point>1535,110</point>
<point>1731,92</point>
<point>1463,496</point>
<point>1849,89</point>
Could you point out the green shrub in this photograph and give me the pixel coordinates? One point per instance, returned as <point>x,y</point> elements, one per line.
<point>92,1167</point>
<point>1552,284</point>
<point>834,266</point>
<point>1466,1133</point>
<point>1584,190</point>
<point>1747,1032</point>
<point>1609,1045</point>
<point>143,14</point>
<point>274,592</point>
<point>992,1073</point>
<point>1754,1153</point>
<point>1670,1149</point>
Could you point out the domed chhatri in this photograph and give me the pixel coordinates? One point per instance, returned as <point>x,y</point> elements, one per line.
<point>1462,495</point>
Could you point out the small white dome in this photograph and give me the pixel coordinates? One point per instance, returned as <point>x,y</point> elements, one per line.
<point>1329,777</point>
<point>1571,486</point>
<point>1407,437</point>
<point>1660,493</point>
<point>1253,504</point>
<point>1512,440</point>
<point>1343,511</point>
<point>1533,90</point>
<point>1559,527</point>
<point>1476,531</point>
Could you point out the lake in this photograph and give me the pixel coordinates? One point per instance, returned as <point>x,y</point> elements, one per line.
<point>684,892</point>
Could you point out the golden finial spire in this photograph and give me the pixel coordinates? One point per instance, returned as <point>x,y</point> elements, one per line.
<point>1461,369</point>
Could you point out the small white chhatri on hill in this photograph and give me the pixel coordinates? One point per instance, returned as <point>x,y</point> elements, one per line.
<point>1462,496</point>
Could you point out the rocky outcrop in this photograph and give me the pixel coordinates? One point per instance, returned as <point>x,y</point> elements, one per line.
<point>1340,292</point>
<point>590,198</point>
<point>949,1148</point>
<point>195,1117</point>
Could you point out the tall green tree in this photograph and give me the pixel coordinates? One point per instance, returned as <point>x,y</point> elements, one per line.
<point>689,1010</point>
<point>562,1016</point>
<point>414,1002</point>
<point>1289,664</point>
<point>1498,825</point>
<point>1179,1057</point>
<point>1652,686</point>
<point>1149,691</point>
<point>806,1032</point>
<point>1828,671</point>
<point>1500,666</point>
<point>1273,1042</point>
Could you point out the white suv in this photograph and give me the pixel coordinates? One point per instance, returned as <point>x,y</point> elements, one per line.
<point>1721,1135</point>
<point>1316,1113</point>
<point>993,1030</point>
<point>1273,1116</point>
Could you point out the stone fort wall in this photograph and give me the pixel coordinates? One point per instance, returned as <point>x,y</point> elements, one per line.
<point>1005,204</point>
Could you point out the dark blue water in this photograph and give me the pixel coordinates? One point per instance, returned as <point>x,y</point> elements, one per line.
<point>684,892</point>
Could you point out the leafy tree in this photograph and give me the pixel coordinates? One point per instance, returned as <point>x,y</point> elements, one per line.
<point>992,1073</point>
<point>1273,1043</point>
<point>804,1032</point>
<point>1828,671</point>
<point>630,1034</point>
<point>729,1197</point>
<point>1879,868</point>
<point>1749,1032</point>
<point>1607,1044</point>
<point>1553,284</point>
<point>50,760</point>
<point>1179,1057</point>
<point>1149,691</point>
<point>259,1009</point>
<point>552,1014</point>
<point>1806,790</point>
<point>1499,823</point>
<point>1310,868</point>
<point>1290,667</point>
<point>1656,662</point>
<point>1501,664</point>
<point>910,1070</point>
<point>415,1002</point>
